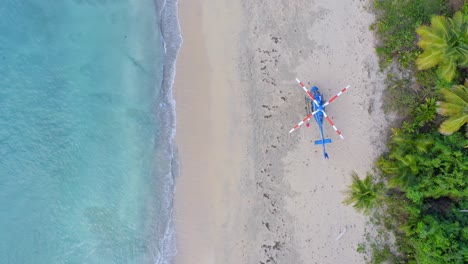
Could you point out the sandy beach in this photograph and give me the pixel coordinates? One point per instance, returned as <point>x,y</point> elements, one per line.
<point>249,192</point>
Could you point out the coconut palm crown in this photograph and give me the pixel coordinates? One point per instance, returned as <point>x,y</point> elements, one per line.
<point>455,107</point>
<point>364,194</point>
<point>445,43</point>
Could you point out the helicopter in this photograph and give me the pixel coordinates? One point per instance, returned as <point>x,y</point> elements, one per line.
<point>316,108</point>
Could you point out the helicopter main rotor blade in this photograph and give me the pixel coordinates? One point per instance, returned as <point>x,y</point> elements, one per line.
<point>308,92</point>
<point>333,125</point>
<point>336,96</point>
<point>307,118</point>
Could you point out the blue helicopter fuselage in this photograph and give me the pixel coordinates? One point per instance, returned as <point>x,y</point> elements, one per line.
<point>319,115</point>
<point>319,118</point>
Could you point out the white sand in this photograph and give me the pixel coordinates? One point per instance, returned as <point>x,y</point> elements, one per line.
<point>248,191</point>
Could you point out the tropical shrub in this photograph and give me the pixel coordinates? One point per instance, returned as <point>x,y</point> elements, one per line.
<point>363,194</point>
<point>424,173</point>
<point>443,168</point>
<point>445,43</point>
<point>396,24</point>
<point>440,237</point>
<point>422,115</point>
<point>425,213</point>
<point>435,165</point>
<point>455,107</point>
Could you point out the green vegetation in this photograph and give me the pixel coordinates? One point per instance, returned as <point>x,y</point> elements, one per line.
<point>424,173</point>
<point>445,43</point>
<point>455,107</point>
<point>364,194</point>
<point>396,23</point>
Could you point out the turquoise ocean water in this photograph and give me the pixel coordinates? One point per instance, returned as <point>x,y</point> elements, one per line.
<point>86,127</point>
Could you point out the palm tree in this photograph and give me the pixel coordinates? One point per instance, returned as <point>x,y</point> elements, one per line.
<point>364,194</point>
<point>401,164</point>
<point>455,107</point>
<point>445,43</point>
<point>404,143</point>
<point>403,169</point>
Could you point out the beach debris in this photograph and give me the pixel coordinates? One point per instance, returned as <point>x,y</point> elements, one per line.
<point>275,39</point>
<point>341,234</point>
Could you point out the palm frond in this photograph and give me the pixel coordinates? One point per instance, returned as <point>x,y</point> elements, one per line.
<point>402,180</point>
<point>463,57</point>
<point>429,58</point>
<point>457,22</point>
<point>462,92</point>
<point>456,95</point>
<point>455,107</point>
<point>440,25</point>
<point>429,38</point>
<point>445,43</point>
<point>453,124</point>
<point>363,194</point>
<point>448,68</point>
<point>448,109</point>
<point>422,144</point>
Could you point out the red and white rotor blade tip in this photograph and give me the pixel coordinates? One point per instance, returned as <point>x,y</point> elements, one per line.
<point>336,96</point>
<point>307,91</point>
<point>333,125</point>
<point>307,118</point>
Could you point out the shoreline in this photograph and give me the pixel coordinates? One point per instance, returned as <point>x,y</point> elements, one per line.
<point>249,192</point>
<point>172,41</point>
